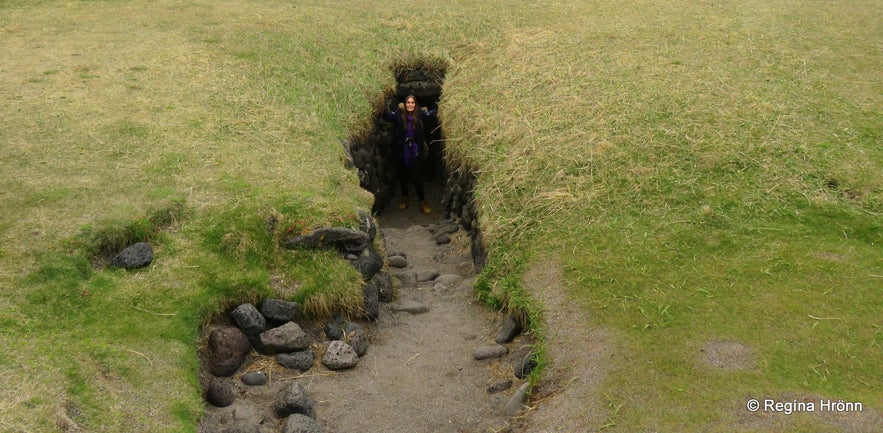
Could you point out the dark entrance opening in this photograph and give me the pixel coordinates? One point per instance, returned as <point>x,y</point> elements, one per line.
<point>372,149</point>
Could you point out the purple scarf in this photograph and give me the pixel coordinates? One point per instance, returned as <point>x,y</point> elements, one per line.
<point>410,147</point>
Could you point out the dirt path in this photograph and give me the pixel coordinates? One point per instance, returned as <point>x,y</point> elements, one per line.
<point>419,374</point>
<point>579,355</point>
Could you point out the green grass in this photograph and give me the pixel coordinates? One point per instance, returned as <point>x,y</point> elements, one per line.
<point>700,170</point>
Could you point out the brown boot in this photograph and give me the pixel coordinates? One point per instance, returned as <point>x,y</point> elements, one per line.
<point>425,207</point>
<point>404,204</point>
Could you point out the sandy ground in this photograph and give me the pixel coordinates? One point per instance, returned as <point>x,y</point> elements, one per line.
<point>419,374</point>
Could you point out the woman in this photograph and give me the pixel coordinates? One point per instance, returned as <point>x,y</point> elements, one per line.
<point>409,146</point>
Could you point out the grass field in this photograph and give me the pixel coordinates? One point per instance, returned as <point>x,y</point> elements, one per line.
<point>701,170</point>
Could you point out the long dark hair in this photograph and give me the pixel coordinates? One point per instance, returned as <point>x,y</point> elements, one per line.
<point>405,110</point>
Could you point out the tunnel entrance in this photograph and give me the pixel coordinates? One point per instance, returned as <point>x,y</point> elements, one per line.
<point>372,150</point>
<point>427,309</point>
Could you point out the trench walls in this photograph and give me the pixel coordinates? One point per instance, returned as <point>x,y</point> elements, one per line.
<point>370,152</point>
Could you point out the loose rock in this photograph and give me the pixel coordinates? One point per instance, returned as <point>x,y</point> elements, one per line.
<point>358,340</point>
<point>302,361</point>
<point>136,256</point>
<point>340,356</point>
<point>447,228</point>
<point>407,279</point>
<point>286,338</point>
<point>294,399</point>
<point>255,378</point>
<point>524,364</point>
<point>424,276</point>
<point>383,282</point>
<point>499,387</point>
<point>249,319</point>
<point>227,349</point>
<point>346,239</point>
<point>220,392</point>
<point>508,331</point>
<point>449,280</point>
<point>516,403</point>
<point>298,423</point>
<point>412,307</point>
<point>490,352</point>
<point>369,263</point>
<point>278,311</point>
<point>371,299</point>
<point>334,328</point>
<point>397,261</point>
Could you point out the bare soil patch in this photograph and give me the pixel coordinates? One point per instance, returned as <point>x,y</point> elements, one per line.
<point>727,355</point>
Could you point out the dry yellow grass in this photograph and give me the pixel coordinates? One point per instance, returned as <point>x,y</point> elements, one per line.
<point>627,133</point>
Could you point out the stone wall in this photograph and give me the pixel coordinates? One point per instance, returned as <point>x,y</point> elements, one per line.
<point>370,154</point>
<point>460,205</point>
<point>370,151</point>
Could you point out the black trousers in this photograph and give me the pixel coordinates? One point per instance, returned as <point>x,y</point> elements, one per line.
<point>411,175</point>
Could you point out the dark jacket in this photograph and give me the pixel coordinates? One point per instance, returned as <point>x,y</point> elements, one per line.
<point>406,152</point>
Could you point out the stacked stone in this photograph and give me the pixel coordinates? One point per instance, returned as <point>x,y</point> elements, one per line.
<point>271,330</point>
<point>424,83</point>
<point>371,155</point>
<point>459,203</point>
<point>357,246</point>
<point>370,152</point>
<point>522,360</point>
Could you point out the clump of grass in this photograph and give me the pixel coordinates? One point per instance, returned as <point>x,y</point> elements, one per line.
<point>328,285</point>
<point>430,64</point>
<point>108,238</point>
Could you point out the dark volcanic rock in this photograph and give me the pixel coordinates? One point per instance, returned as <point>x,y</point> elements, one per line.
<point>358,340</point>
<point>344,239</point>
<point>220,392</point>
<point>249,319</point>
<point>525,364</point>
<point>383,282</point>
<point>371,299</point>
<point>294,399</point>
<point>499,387</point>
<point>369,263</point>
<point>227,350</point>
<point>286,338</point>
<point>490,352</point>
<point>367,224</point>
<point>255,378</point>
<point>508,331</point>
<point>298,423</point>
<point>134,257</point>
<point>302,361</point>
<point>278,311</point>
<point>334,328</point>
